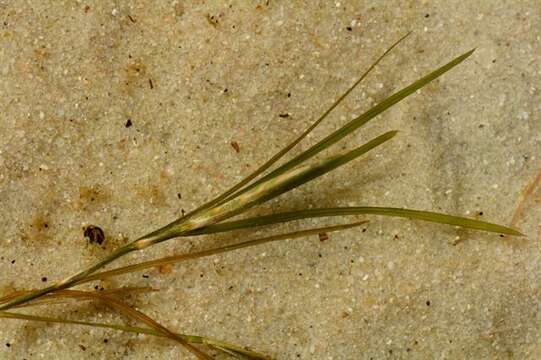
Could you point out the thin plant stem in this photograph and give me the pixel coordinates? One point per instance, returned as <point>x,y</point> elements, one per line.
<point>62,294</point>
<point>196,255</point>
<point>193,339</point>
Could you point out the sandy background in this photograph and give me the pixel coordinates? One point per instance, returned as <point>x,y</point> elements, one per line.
<point>121,115</point>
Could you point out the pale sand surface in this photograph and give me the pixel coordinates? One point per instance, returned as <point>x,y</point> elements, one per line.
<point>191,78</point>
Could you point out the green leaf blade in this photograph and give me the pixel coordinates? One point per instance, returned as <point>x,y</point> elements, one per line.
<point>348,211</point>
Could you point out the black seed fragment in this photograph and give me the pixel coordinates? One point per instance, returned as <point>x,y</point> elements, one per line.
<point>128,123</point>
<point>235,145</point>
<point>94,234</point>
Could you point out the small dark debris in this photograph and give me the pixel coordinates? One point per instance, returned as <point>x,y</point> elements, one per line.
<point>427,15</point>
<point>128,123</point>
<point>13,261</point>
<point>82,347</point>
<point>87,8</point>
<point>150,84</point>
<point>8,344</point>
<point>179,195</point>
<point>44,279</point>
<point>288,94</point>
<point>323,237</point>
<point>131,19</point>
<point>235,146</point>
<point>480,213</point>
<point>428,303</point>
<point>212,20</point>
<point>226,90</point>
<point>94,234</point>
<point>145,276</point>
<point>179,9</point>
<point>285,115</point>
<point>105,341</point>
<point>364,230</point>
<point>349,28</point>
<point>408,349</point>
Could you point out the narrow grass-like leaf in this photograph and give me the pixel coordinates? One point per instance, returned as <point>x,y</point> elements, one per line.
<point>291,145</point>
<point>263,192</point>
<point>271,189</point>
<point>194,339</point>
<point>196,255</point>
<point>359,121</point>
<point>275,187</point>
<point>362,210</point>
<point>63,295</point>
